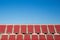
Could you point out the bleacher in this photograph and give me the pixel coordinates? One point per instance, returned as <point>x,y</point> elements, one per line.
<point>29,31</point>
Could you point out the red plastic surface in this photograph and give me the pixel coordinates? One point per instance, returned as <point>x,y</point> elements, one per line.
<point>30,28</point>
<point>19,37</point>
<point>42,37</point>
<point>9,28</point>
<point>12,37</point>
<point>4,37</point>
<point>44,28</point>
<point>2,28</point>
<point>23,28</point>
<point>57,28</point>
<point>37,28</point>
<point>51,28</point>
<point>27,37</point>
<point>16,28</point>
<point>50,37</point>
<point>57,37</point>
<point>34,37</point>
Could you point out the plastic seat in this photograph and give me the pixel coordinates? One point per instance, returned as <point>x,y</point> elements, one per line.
<point>16,28</point>
<point>27,37</point>
<point>19,37</point>
<point>4,37</point>
<point>9,28</point>
<point>34,37</point>
<point>50,37</point>
<point>42,37</point>
<point>57,28</point>
<point>12,37</point>
<point>57,37</point>
<point>23,29</point>
<point>51,28</point>
<point>37,28</point>
<point>44,29</point>
<point>2,28</point>
<point>30,28</point>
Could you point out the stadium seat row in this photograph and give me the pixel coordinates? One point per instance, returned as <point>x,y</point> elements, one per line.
<point>30,37</point>
<point>24,29</point>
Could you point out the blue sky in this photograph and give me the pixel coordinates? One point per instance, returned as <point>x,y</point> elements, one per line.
<point>29,11</point>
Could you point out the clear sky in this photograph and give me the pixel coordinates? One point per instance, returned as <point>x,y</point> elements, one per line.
<point>29,11</point>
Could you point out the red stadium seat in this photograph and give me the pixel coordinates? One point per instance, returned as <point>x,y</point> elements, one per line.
<point>16,28</point>
<point>19,37</point>
<point>42,37</point>
<point>57,28</point>
<point>34,37</point>
<point>30,28</point>
<point>57,37</point>
<point>50,37</point>
<point>12,37</point>
<point>51,28</point>
<point>2,28</point>
<point>27,37</point>
<point>9,28</point>
<point>37,28</point>
<point>4,37</point>
<point>30,32</point>
<point>23,29</point>
<point>44,28</point>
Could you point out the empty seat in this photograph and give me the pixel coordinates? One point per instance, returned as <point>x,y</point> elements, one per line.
<point>37,28</point>
<point>50,37</point>
<point>4,37</point>
<point>42,37</point>
<point>9,28</point>
<point>44,28</point>
<point>51,28</point>
<point>12,37</point>
<point>57,37</point>
<point>19,37</point>
<point>27,37</point>
<point>29,32</point>
<point>30,28</point>
<point>2,28</point>
<point>23,29</point>
<point>16,29</point>
<point>34,37</point>
<point>57,28</point>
